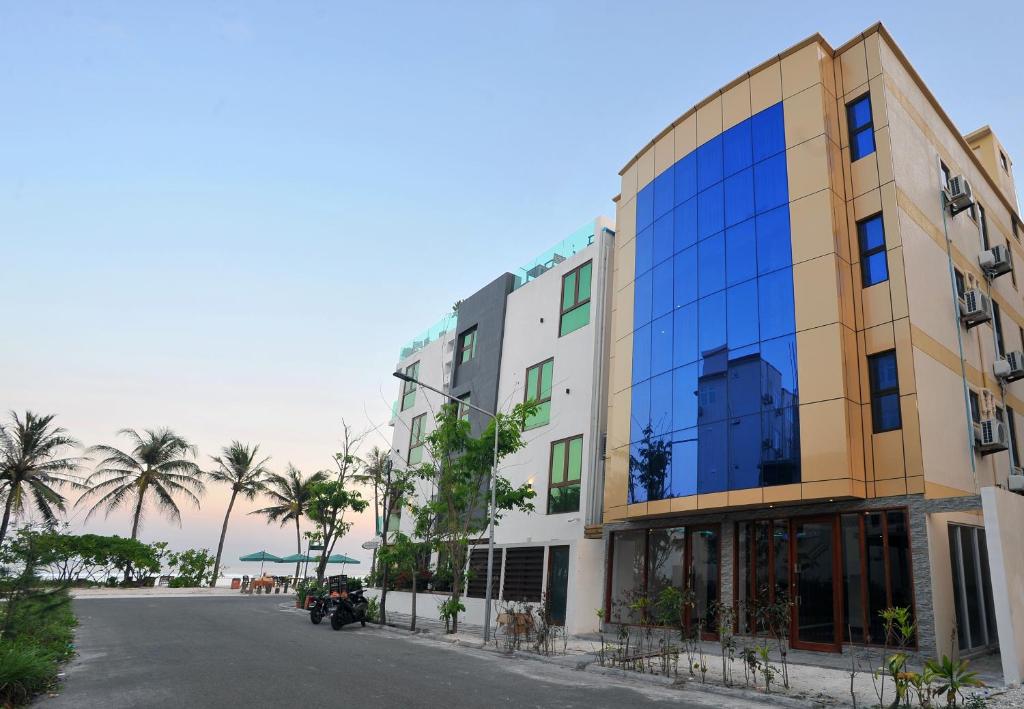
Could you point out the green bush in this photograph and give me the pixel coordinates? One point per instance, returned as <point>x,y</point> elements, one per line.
<point>25,669</point>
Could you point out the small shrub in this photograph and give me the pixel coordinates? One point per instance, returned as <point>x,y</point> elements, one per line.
<point>25,669</point>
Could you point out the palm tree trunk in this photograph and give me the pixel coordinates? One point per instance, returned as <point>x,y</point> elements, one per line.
<point>7,514</point>
<point>298,547</point>
<point>138,513</point>
<point>223,533</point>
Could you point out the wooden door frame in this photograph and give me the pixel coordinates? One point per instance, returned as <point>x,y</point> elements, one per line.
<point>837,586</point>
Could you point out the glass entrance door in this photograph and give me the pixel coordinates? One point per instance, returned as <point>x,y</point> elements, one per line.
<point>558,583</point>
<point>816,592</point>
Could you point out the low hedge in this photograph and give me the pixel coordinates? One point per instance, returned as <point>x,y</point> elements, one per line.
<point>38,630</point>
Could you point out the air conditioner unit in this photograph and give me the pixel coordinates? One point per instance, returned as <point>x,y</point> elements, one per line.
<point>990,436</point>
<point>1009,368</point>
<point>996,261</point>
<point>1016,481</point>
<point>959,195</point>
<point>975,308</point>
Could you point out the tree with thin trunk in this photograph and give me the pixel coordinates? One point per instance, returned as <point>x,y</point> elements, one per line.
<point>331,506</point>
<point>160,466</point>
<point>237,466</point>
<point>33,464</point>
<point>290,494</point>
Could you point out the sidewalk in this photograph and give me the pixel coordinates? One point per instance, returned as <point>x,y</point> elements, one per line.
<point>815,679</point>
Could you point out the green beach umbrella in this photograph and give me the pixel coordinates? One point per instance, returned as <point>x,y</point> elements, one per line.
<point>298,558</point>
<point>341,559</point>
<point>260,556</point>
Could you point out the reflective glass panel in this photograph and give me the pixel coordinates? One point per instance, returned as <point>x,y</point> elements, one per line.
<point>771,188</point>
<point>643,299</point>
<point>645,250</point>
<point>640,411</point>
<point>662,289</point>
<point>627,575</point>
<point>736,148</point>
<point>684,348</point>
<point>862,144</point>
<point>872,233</point>
<point>712,445</point>
<point>711,265</point>
<point>685,224</point>
<point>664,193</point>
<point>768,132</point>
<point>642,354</point>
<point>661,345</point>
<point>739,197</point>
<point>874,268</point>
<point>744,387</point>
<point>710,211</point>
<point>645,207</point>
<point>711,323</point>
<point>709,163</point>
<point>663,247</point>
<point>773,240</point>
<point>661,404</point>
<point>684,397</point>
<point>684,463</point>
<point>744,452</point>
<point>741,318</point>
<point>740,253</point>
<point>686,178</point>
<point>775,303</point>
<point>684,276</point>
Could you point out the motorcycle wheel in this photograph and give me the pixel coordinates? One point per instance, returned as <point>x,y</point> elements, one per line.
<point>315,616</point>
<point>336,622</point>
<point>363,622</point>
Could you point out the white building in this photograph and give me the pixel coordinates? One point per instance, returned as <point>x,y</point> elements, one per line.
<point>541,333</point>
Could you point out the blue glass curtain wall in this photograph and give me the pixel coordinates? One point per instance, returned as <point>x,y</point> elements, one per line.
<point>714,381</point>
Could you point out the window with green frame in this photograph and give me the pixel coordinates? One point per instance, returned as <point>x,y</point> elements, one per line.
<point>564,477</point>
<point>467,345</point>
<point>538,391</point>
<point>409,388</point>
<point>463,409</point>
<point>575,311</point>
<point>417,436</point>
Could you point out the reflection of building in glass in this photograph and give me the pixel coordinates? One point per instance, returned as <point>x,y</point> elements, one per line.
<point>747,432</point>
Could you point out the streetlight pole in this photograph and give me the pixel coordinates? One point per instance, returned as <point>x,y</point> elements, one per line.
<point>494,491</point>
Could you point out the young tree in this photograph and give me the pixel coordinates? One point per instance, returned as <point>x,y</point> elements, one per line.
<point>403,554</point>
<point>32,465</point>
<point>238,467</point>
<point>329,501</point>
<point>290,494</point>
<point>160,465</point>
<point>391,489</point>
<point>460,473</point>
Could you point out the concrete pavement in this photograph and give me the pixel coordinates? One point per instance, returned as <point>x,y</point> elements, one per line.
<point>219,651</point>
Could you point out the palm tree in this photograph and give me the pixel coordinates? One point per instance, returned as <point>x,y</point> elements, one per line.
<point>31,465</point>
<point>290,493</point>
<point>237,467</point>
<point>159,465</point>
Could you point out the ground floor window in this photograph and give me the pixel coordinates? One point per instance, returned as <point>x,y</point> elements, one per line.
<point>836,573</point>
<point>972,588</point>
<point>644,563</point>
<point>476,580</point>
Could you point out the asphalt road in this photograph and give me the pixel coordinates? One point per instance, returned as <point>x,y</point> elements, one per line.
<point>248,651</point>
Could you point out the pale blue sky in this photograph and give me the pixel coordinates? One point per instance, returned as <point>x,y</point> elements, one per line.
<point>225,217</point>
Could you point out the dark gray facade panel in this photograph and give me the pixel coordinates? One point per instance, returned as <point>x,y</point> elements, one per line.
<point>484,310</point>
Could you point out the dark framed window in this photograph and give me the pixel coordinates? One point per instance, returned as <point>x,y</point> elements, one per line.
<point>575,308</point>
<point>946,174</point>
<point>885,392</point>
<point>877,572</point>
<point>861,127</point>
<point>476,582</point>
<point>463,409</point>
<point>984,227</point>
<point>565,469</point>
<point>467,346</point>
<point>524,574</point>
<point>1003,162</point>
<point>961,287</point>
<point>409,388</point>
<point>975,406</point>
<point>874,266</point>
<point>997,327</point>
<point>417,437</point>
<point>1011,424</point>
<point>538,391</point>
<point>762,570</point>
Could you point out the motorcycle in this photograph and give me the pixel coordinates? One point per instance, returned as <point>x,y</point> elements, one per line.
<point>323,605</point>
<point>350,607</point>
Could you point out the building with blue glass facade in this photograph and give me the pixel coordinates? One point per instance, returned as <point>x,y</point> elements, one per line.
<point>808,398</point>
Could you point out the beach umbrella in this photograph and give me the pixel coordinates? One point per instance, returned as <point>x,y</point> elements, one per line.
<point>298,558</point>
<point>341,559</point>
<point>260,556</point>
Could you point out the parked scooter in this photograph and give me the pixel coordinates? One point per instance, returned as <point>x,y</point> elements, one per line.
<point>350,607</point>
<point>323,606</point>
